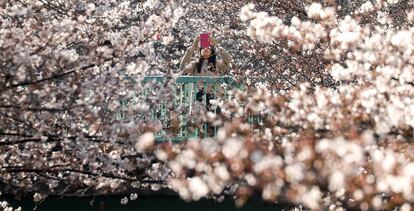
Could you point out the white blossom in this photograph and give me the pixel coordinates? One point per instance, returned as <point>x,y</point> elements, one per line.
<point>197,188</point>
<point>145,141</point>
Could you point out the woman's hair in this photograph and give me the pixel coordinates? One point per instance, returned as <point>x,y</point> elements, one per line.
<point>212,60</point>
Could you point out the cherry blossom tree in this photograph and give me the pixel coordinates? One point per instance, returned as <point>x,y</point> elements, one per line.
<point>325,118</point>
<point>343,145</point>
<point>65,66</point>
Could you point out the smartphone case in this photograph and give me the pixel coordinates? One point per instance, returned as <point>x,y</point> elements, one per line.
<point>205,40</point>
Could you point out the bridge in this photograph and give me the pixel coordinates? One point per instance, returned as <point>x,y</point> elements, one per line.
<point>188,93</point>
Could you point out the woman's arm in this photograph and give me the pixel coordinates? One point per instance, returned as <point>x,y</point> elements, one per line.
<point>224,61</point>
<point>225,57</point>
<point>186,60</point>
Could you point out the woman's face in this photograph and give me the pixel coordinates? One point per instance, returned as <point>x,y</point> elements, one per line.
<point>205,53</point>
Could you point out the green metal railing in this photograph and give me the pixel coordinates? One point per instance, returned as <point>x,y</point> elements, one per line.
<point>178,126</point>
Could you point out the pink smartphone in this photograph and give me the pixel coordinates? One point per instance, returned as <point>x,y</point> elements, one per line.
<point>205,40</point>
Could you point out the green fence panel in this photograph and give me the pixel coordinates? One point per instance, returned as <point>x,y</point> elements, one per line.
<point>184,98</point>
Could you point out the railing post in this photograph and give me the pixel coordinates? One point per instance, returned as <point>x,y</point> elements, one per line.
<point>206,104</point>
<point>181,106</point>
<point>216,107</point>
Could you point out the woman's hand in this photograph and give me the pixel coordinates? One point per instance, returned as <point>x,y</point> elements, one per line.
<point>213,42</point>
<point>194,44</point>
<point>196,41</point>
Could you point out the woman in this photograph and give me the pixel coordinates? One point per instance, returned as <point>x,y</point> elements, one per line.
<point>207,64</point>
<point>213,61</point>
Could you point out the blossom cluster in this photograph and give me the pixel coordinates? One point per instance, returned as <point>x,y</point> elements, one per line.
<point>324,119</point>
